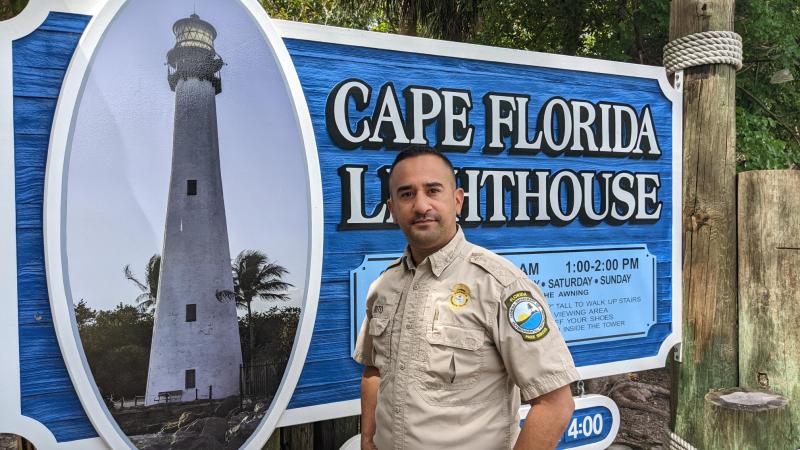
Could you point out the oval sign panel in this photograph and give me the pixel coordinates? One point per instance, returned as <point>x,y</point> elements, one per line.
<point>182,224</point>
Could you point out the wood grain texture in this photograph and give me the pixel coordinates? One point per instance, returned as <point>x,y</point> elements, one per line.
<point>769,291</point>
<point>332,434</point>
<point>39,63</point>
<point>744,419</point>
<point>709,221</point>
<point>329,373</point>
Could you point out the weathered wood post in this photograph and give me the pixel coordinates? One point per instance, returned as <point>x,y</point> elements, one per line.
<point>769,294</point>
<point>737,418</point>
<point>709,221</point>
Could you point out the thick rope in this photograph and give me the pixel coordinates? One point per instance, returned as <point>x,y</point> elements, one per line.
<point>675,442</point>
<point>708,47</point>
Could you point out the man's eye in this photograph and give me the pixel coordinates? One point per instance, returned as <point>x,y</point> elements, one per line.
<point>405,194</point>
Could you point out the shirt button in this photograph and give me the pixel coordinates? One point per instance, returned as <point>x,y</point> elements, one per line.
<point>409,326</point>
<point>402,367</point>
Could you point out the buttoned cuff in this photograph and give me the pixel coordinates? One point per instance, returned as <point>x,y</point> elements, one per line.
<point>548,384</point>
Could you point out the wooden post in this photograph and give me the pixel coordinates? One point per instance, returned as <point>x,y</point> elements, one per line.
<point>769,291</point>
<point>298,437</point>
<point>709,221</point>
<point>274,441</point>
<point>331,434</point>
<point>738,418</point>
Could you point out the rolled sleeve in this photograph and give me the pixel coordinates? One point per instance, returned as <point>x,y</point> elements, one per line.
<point>363,350</point>
<point>533,351</point>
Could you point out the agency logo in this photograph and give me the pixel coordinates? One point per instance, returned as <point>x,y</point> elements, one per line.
<point>526,316</point>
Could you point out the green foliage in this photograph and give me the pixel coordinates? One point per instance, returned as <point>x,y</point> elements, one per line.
<point>10,8</point>
<point>114,339</point>
<point>274,332</point>
<point>767,114</point>
<point>323,12</point>
<point>146,301</point>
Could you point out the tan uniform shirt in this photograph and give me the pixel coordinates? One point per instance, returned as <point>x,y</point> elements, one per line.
<point>456,339</point>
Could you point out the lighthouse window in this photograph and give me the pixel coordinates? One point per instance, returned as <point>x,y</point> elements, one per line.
<point>191,312</point>
<point>190,379</point>
<point>191,187</point>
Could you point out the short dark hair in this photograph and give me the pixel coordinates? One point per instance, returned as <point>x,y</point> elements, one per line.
<point>412,151</point>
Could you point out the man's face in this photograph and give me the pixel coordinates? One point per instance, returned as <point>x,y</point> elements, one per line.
<point>424,202</point>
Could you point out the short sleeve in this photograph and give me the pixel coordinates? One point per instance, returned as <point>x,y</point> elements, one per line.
<point>363,351</point>
<point>530,344</point>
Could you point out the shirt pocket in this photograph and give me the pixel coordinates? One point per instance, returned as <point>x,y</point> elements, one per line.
<point>380,331</point>
<point>381,343</point>
<point>455,358</point>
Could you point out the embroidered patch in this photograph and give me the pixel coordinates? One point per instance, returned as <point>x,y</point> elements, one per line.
<point>526,316</point>
<point>459,295</point>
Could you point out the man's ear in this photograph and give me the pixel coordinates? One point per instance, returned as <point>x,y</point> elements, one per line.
<point>389,205</point>
<point>459,193</point>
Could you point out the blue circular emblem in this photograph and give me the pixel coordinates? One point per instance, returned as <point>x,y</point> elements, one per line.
<point>526,316</point>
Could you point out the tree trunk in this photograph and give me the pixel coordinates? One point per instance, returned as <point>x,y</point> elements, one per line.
<point>251,338</point>
<point>709,222</point>
<point>742,419</point>
<point>769,291</point>
<point>407,17</point>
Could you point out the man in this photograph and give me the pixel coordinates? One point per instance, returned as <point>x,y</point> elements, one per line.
<point>454,334</point>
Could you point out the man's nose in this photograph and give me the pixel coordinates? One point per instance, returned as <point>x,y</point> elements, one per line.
<point>422,203</point>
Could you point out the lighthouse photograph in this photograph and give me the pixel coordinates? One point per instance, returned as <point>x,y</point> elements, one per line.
<point>187,223</point>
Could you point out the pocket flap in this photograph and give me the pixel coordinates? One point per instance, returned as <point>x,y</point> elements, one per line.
<point>448,335</point>
<point>377,326</point>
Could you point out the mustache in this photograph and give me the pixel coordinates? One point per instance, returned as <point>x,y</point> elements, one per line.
<point>426,216</point>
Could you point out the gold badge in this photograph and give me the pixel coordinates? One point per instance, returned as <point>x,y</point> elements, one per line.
<point>459,296</point>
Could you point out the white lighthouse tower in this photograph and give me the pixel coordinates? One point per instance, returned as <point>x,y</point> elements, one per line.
<point>195,346</point>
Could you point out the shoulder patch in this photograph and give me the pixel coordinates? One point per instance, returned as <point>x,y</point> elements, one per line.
<point>497,270</point>
<point>526,316</point>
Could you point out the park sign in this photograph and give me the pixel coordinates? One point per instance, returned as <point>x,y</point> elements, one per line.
<point>146,145</point>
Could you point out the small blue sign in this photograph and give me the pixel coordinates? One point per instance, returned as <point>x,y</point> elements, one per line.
<point>596,294</point>
<point>588,425</point>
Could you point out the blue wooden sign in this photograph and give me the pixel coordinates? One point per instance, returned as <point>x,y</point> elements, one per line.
<point>570,167</point>
<point>571,170</point>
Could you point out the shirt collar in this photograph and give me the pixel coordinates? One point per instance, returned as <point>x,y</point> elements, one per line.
<point>442,257</point>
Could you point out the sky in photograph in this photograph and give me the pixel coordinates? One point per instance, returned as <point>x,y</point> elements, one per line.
<point>120,153</point>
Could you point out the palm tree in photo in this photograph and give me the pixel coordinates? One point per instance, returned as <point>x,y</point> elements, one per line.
<point>255,277</point>
<point>146,301</point>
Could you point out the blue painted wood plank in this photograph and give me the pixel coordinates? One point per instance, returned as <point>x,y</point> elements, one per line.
<point>45,49</point>
<point>37,82</point>
<point>65,22</point>
<point>33,115</point>
<point>29,215</point>
<point>30,149</point>
<point>39,63</point>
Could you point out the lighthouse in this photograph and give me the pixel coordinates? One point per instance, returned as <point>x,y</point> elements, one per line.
<point>195,347</point>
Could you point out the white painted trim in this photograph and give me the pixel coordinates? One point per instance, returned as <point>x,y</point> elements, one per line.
<point>55,196</point>
<point>10,401</point>
<point>316,413</point>
<point>387,41</point>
